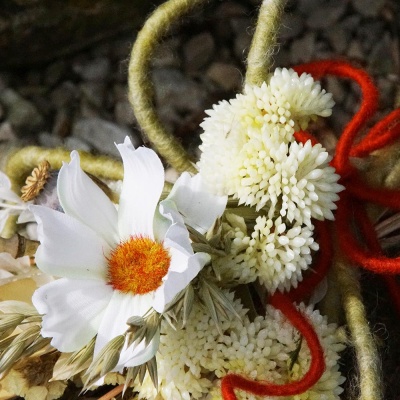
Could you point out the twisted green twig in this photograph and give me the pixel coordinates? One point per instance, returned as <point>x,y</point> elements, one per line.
<point>364,345</point>
<point>259,60</point>
<point>140,86</point>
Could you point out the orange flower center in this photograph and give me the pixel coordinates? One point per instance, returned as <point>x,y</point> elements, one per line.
<point>138,265</point>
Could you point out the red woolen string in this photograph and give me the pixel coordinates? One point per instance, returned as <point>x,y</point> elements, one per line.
<point>372,242</point>
<point>317,365</point>
<point>368,106</point>
<point>352,249</point>
<point>383,133</point>
<point>303,137</point>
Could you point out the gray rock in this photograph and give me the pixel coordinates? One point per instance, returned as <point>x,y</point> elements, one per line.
<point>386,92</point>
<point>123,113</point>
<point>243,31</point>
<point>21,114</point>
<point>95,70</point>
<point>326,16</point>
<point>337,89</point>
<point>307,6</point>
<point>227,76</point>
<point>65,95</point>
<point>302,49</point>
<point>175,90</point>
<point>101,135</point>
<point>54,72</point>
<point>94,93</point>
<point>355,50</point>
<point>74,143</point>
<point>62,124</point>
<point>229,9</point>
<point>198,51</point>
<point>167,54</point>
<point>381,57</point>
<point>7,133</point>
<point>338,38</point>
<point>292,26</point>
<point>46,139</point>
<point>368,32</point>
<point>371,8</point>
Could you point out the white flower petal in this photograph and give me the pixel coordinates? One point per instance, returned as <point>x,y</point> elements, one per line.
<point>4,181</point>
<point>82,199</point>
<point>120,308</point>
<point>199,207</point>
<point>177,235</point>
<point>141,190</point>
<point>72,310</point>
<point>177,281</point>
<point>8,195</point>
<point>68,248</point>
<point>26,216</point>
<point>4,214</point>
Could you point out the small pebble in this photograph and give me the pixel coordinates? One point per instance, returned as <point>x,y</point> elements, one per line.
<point>226,76</point>
<point>198,51</point>
<point>101,135</point>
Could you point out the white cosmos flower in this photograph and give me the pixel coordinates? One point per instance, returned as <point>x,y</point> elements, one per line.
<point>11,203</point>
<point>115,264</point>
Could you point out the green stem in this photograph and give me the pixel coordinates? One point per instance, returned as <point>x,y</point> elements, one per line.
<point>259,60</point>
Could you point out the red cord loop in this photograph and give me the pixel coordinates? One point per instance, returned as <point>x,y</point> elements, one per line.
<point>351,212</point>
<point>317,365</point>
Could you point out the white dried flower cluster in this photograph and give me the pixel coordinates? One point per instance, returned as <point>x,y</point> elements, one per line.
<point>274,253</point>
<point>247,147</point>
<point>191,360</point>
<point>249,152</point>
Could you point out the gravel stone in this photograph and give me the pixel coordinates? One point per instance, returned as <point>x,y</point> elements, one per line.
<point>338,38</point>
<point>94,93</point>
<point>176,90</point>
<point>94,70</point>
<point>47,139</point>
<point>167,54</point>
<point>65,95</point>
<point>74,143</point>
<point>21,114</point>
<point>292,26</point>
<point>55,72</point>
<point>7,133</point>
<point>355,50</point>
<point>381,57</point>
<point>123,113</point>
<point>198,51</point>
<point>302,49</point>
<point>62,124</point>
<point>101,135</point>
<point>226,76</point>
<point>326,16</point>
<point>371,8</point>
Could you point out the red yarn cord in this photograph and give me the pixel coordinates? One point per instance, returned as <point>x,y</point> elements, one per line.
<point>303,137</point>
<point>372,241</point>
<point>385,197</point>
<point>369,102</point>
<point>317,365</point>
<point>320,268</point>
<point>351,248</point>
<point>383,133</point>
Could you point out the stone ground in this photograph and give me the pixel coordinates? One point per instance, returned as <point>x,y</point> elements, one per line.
<point>80,101</point>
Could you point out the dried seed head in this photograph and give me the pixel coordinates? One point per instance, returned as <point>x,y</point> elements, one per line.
<point>36,181</point>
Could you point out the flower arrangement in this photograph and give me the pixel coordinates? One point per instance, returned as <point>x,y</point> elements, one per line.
<point>207,288</point>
